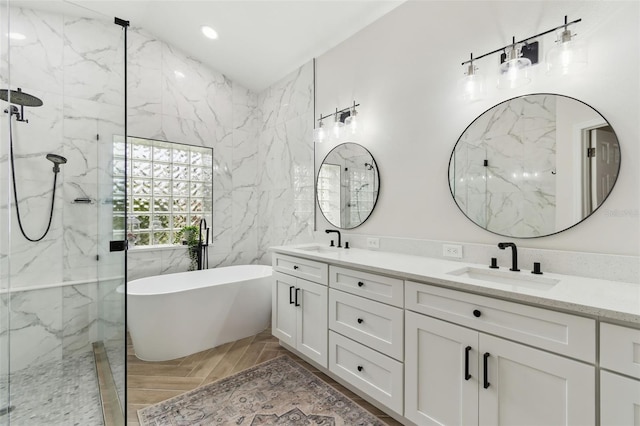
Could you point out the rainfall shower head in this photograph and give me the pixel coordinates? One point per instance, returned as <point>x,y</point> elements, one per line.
<point>56,160</point>
<point>18,97</point>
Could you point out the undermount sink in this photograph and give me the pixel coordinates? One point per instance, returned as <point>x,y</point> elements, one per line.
<point>319,249</point>
<point>518,279</point>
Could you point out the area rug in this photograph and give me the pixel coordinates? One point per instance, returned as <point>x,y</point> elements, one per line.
<point>276,392</point>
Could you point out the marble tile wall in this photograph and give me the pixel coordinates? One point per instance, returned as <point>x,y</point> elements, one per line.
<point>285,151</point>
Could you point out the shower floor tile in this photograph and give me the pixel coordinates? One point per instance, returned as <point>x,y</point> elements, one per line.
<point>57,393</point>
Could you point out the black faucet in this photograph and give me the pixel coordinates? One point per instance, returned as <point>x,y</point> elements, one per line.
<point>337,232</point>
<point>514,255</point>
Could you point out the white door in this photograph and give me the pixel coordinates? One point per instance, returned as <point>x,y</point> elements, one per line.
<point>441,372</point>
<point>619,400</point>
<point>526,386</point>
<point>604,165</point>
<point>311,333</point>
<point>283,317</point>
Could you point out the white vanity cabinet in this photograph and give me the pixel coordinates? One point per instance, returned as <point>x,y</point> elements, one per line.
<point>366,333</point>
<point>299,306</point>
<point>619,395</point>
<point>455,374</point>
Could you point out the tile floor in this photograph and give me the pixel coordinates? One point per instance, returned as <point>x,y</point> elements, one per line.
<point>152,382</point>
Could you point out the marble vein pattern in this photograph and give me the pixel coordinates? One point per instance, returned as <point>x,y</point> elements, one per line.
<point>515,193</point>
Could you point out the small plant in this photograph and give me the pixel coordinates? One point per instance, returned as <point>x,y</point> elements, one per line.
<point>188,236</point>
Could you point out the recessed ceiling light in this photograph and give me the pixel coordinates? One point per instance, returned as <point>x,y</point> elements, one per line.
<point>17,36</point>
<point>209,32</point>
<point>179,74</point>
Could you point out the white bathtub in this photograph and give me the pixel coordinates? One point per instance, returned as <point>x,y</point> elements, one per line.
<point>175,315</point>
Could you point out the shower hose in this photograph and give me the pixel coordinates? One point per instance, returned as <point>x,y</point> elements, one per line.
<point>15,191</point>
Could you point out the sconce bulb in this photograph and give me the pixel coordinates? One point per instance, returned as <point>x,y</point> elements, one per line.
<point>337,127</point>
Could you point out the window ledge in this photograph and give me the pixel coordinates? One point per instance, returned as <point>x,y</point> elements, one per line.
<point>157,247</point>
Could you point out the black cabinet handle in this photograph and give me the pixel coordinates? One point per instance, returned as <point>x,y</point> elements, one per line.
<point>297,290</point>
<point>291,294</point>
<point>295,267</point>
<point>360,283</point>
<point>360,368</point>
<point>486,370</point>
<point>360,320</point>
<point>476,313</point>
<point>467,376</point>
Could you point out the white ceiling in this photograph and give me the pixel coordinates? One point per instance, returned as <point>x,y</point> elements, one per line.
<point>259,41</point>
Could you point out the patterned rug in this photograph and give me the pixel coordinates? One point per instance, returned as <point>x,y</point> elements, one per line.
<point>277,392</point>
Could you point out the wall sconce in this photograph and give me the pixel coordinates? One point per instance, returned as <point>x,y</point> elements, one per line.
<point>568,55</point>
<point>345,123</point>
<point>514,69</point>
<point>472,84</point>
<point>518,57</point>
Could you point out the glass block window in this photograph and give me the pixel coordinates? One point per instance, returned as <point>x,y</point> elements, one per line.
<point>169,186</point>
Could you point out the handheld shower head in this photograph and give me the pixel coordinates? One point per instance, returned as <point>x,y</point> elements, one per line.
<point>56,160</point>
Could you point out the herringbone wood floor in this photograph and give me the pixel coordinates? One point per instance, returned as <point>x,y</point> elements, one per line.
<point>152,382</point>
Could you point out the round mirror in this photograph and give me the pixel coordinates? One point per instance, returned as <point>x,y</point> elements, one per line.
<point>348,185</point>
<point>534,165</point>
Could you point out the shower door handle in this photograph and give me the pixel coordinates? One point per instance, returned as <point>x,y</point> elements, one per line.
<point>291,295</point>
<point>117,245</point>
<point>297,290</point>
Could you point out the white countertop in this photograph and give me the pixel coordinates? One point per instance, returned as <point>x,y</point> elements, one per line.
<point>595,297</point>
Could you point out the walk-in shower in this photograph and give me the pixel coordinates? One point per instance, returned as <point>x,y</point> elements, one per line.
<point>62,89</point>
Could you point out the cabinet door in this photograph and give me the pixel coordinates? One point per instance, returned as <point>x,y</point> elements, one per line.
<point>311,333</point>
<point>619,400</point>
<point>527,386</point>
<point>283,316</point>
<point>437,389</point>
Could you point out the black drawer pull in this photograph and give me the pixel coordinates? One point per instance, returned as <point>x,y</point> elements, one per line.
<point>360,368</point>
<point>467,376</point>
<point>360,283</point>
<point>297,290</point>
<point>295,267</point>
<point>291,295</point>
<point>476,313</point>
<point>360,320</point>
<point>486,370</point>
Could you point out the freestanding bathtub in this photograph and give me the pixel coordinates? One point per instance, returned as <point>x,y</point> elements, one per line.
<point>174,315</point>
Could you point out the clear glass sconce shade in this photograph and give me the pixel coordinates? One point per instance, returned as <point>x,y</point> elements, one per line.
<point>319,134</point>
<point>353,125</point>
<point>514,73</point>
<point>471,86</point>
<point>336,129</point>
<point>568,56</point>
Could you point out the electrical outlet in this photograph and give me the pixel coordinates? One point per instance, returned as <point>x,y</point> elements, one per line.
<point>373,243</point>
<point>452,250</point>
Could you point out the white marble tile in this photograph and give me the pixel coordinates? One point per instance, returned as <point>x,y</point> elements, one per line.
<point>244,160</point>
<point>36,61</point>
<point>36,327</point>
<point>143,263</point>
<point>245,221</point>
<point>144,50</point>
<point>93,48</point>
<point>176,260</point>
<point>79,317</point>
<point>144,89</point>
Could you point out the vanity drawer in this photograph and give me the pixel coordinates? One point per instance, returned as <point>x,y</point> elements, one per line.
<point>374,324</point>
<point>620,349</point>
<point>372,286</point>
<point>558,332</point>
<point>302,268</point>
<point>375,374</point>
